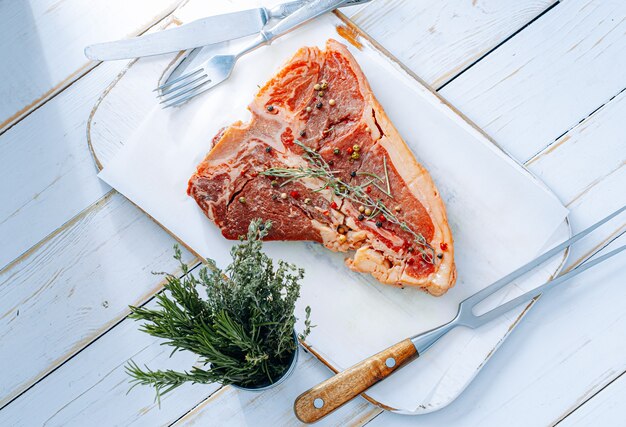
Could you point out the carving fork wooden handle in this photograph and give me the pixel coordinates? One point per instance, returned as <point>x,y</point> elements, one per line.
<point>336,391</point>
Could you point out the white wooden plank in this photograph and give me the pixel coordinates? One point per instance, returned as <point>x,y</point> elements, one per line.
<point>439,39</point>
<point>548,77</point>
<point>585,167</point>
<point>47,174</point>
<point>43,41</point>
<point>95,392</point>
<point>604,409</point>
<point>591,151</point>
<point>275,406</point>
<point>76,285</point>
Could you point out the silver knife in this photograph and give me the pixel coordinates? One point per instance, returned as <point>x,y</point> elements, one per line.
<point>202,32</point>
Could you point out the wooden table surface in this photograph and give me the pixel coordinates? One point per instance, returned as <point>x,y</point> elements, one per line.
<point>545,79</point>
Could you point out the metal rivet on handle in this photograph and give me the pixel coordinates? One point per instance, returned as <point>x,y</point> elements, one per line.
<point>318,403</point>
<point>390,362</point>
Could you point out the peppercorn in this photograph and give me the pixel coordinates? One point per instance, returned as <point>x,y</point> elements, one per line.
<point>332,102</point>
<point>307,201</point>
<point>397,208</point>
<point>379,224</point>
<point>439,256</point>
<point>324,85</point>
<point>337,151</point>
<point>353,174</point>
<point>317,86</point>
<point>268,149</point>
<point>302,132</point>
<point>356,147</point>
<point>342,238</point>
<point>320,93</point>
<point>274,196</point>
<point>361,217</point>
<point>319,105</point>
<point>355,156</point>
<point>261,226</point>
<point>308,109</point>
<point>342,229</point>
<point>361,208</point>
<point>283,196</point>
<point>331,162</point>
<point>242,200</point>
<point>411,249</point>
<point>367,211</point>
<point>367,129</point>
<point>274,183</point>
<point>270,108</point>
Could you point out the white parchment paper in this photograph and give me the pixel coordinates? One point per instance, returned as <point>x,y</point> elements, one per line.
<point>500,217</point>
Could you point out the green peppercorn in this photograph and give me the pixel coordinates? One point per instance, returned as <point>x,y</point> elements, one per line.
<point>268,149</point>
<point>355,156</point>
<point>353,174</point>
<point>337,151</point>
<point>242,200</point>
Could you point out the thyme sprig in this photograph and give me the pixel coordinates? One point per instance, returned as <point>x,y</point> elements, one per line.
<point>320,169</point>
<point>242,330</point>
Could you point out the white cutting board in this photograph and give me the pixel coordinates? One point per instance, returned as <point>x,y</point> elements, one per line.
<point>501,216</point>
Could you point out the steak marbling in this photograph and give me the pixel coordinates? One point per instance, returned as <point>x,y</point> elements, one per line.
<point>232,185</point>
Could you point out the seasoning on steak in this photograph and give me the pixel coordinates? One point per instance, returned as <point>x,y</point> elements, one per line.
<point>322,161</point>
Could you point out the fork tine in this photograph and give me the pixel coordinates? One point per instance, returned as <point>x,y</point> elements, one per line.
<point>499,284</point>
<point>533,293</point>
<point>190,95</point>
<point>175,88</point>
<point>205,79</point>
<point>178,79</point>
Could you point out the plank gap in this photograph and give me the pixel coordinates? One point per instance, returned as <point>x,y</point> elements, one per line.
<point>529,23</point>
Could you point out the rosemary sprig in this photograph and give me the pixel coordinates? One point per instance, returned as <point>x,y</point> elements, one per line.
<point>318,168</point>
<point>242,330</point>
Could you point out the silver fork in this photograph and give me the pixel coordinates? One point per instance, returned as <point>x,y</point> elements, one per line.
<point>218,68</point>
<point>329,395</point>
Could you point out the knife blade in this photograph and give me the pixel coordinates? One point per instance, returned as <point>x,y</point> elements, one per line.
<point>202,32</point>
<point>197,56</point>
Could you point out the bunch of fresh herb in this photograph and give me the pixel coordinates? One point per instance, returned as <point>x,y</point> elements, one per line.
<point>242,330</point>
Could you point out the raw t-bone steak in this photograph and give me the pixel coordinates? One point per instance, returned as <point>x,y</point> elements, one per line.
<point>322,161</point>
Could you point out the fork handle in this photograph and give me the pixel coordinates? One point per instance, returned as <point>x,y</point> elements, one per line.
<point>329,395</point>
<point>305,13</point>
